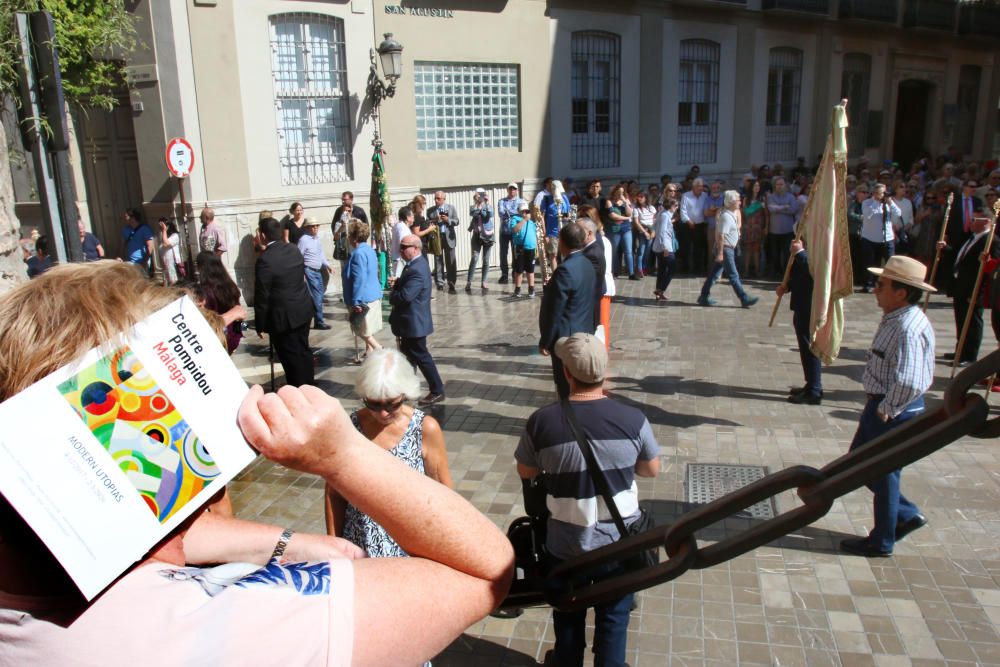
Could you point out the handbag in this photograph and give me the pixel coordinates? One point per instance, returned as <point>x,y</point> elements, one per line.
<point>339,249</point>
<point>644,559</point>
<point>527,536</point>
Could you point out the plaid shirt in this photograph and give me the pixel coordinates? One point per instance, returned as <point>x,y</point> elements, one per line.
<point>901,359</point>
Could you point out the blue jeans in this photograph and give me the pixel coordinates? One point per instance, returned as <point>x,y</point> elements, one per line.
<point>621,244</point>
<point>314,280</point>
<point>643,253</point>
<point>891,506</point>
<point>477,246</point>
<point>728,264</point>
<point>664,270</point>
<point>610,628</point>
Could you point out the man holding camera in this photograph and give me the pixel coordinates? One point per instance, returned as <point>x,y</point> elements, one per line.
<point>446,217</point>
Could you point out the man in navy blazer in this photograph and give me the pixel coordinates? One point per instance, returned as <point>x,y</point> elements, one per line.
<point>568,299</point>
<point>800,284</point>
<point>283,308</point>
<point>410,318</point>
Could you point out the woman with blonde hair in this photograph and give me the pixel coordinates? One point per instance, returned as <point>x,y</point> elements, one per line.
<point>386,382</point>
<point>362,289</point>
<point>422,227</point>
<point>315,598</point>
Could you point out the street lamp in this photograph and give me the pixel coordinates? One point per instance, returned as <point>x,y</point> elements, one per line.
<point>390,53</point>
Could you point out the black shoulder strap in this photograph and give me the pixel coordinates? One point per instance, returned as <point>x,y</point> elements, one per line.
<point>596,474</point>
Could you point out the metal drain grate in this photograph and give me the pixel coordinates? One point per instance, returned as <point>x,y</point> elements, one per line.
<point>709,481</point>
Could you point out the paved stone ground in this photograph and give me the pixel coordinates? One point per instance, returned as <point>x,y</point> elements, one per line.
<point>712,382</point>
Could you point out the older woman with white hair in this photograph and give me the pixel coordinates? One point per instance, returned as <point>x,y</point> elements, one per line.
<point>727,238</point>
<point>385,382</point>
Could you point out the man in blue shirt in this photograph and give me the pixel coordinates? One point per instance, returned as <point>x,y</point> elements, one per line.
<point>507,208</point>
<point>783,207</point>
<point>91,245</point>
<point>899,369</point>
<point>315,261</point>
<point>714,204</point>
<point>138,240</point>
<point>553,205</point>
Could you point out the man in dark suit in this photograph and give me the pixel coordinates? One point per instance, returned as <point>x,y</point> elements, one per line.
<point>963,209</point>
<point>410,318</point>
<point>282,305</point>
<point>568,300</point>
<point>966,271</point>
<point>800,285</point>
<point>594,252</point>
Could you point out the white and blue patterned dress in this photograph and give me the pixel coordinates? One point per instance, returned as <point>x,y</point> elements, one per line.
<point>359,528</point>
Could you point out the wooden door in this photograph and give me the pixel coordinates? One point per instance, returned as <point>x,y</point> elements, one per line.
<point>111,169</point>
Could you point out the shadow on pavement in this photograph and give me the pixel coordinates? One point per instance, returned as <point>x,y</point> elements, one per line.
<point>469,651</point>
<point>810,538</point>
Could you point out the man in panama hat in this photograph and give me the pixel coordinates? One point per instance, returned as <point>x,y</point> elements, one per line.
<point>899,370</point>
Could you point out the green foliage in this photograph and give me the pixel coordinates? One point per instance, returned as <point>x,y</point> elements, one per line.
<point>90,34</point>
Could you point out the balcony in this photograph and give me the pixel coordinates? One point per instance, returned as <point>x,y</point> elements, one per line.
<point>810,6</point>
<point>869,10</point>
<point>932,14</point>
<point>979,19</point>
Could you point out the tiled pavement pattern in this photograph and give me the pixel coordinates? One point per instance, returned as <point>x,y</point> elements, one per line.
<point>712,382</point>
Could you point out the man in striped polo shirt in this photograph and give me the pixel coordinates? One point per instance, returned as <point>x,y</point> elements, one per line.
<point>624,446</point>
<point>900,369</point>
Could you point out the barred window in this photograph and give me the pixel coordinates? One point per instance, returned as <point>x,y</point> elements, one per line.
<point>596,101</point>
<point>784,81</point>
<point>854,85</point>
<point>308,66</point>
<point>967,100</point>
<point>462,106</point>
<point>698,103</point>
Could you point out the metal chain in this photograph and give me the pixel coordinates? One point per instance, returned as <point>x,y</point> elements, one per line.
<point>961,413</point>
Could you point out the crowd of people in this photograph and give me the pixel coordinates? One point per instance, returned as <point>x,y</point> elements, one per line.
<point>388,456</point>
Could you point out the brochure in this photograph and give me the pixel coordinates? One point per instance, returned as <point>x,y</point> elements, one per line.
<point>106,456</point>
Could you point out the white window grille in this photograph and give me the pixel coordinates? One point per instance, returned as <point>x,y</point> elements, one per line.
<point>784,82</point>
<point>698,102</point>
<point>464,106</point>
<point>967,99</point>
<point>596,104</point>
<point>308,66</point>
<point>855,83</point>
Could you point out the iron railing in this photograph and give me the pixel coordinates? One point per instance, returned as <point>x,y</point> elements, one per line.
<point>811,6</point>
<point>979,20</point>
<point>869,10</point>
<point>932,14</point>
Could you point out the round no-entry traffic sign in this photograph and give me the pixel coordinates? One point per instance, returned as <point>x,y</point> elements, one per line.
<point>180,157</point>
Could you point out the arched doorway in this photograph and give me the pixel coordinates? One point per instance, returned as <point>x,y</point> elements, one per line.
<point>913,102</point>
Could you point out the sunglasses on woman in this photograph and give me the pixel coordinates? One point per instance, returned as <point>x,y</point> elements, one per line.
<point>388,406</point>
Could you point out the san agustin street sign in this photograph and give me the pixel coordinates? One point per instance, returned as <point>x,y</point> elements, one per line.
<point>420,11</point>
